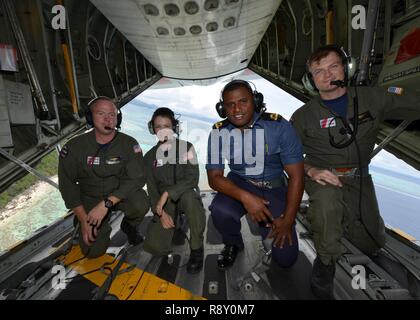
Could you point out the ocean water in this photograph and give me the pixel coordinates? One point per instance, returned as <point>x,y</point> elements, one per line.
<point>398,199</point>
<point>36,208</point>
<point>398,195</point>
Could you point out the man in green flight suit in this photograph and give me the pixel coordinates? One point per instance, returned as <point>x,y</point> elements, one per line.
<point>172,182</point>
<point>100,171</point>
<point>338,146</point>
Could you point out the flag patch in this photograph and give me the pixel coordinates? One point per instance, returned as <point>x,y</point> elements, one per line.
<point>396,90</point>
<point>158,163</point>
<point>327,123</point>
<point>93,161</point>
<point>137,148</point>
<point>64,152</point>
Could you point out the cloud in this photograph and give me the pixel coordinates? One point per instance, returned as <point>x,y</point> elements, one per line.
<point>203,98</point>
<point>192,98</point>
<point>388,161</point>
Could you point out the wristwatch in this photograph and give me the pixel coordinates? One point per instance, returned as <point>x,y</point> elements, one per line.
<point>108,203</point>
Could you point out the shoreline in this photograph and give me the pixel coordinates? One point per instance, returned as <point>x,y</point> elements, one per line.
<point>25,199</point>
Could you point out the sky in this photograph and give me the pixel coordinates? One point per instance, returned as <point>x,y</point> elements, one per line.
<point>202,100</point>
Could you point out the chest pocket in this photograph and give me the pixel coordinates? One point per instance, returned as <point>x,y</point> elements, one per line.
<point>367,125</point>
<point>112,165</point>
<point>164,173</point>
<point>318,133</point>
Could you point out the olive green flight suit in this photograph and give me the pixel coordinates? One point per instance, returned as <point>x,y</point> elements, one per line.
<point>89,172</point>
<point>178,174</point>
<point>334,211</point>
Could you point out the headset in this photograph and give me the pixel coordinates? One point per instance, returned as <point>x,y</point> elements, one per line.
<point>258,97</point>
<point>165,112</point>
<point>348,62</point>
<point>89,116</point>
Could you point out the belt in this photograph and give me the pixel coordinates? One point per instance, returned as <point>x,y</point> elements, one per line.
<point>269,184</point>
<point>350,172</point>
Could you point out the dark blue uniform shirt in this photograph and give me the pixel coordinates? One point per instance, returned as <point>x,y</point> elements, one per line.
<point>338,105</point>
<point>258,153</point>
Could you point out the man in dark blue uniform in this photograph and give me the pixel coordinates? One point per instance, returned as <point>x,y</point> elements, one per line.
<point>259,147</point>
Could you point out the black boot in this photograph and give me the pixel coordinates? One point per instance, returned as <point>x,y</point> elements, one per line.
<point>322,280</point>
<point>195,263</point>
<point>227,257</point>
<point>134,238</point>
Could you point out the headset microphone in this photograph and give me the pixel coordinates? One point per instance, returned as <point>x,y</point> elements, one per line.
<point>251,126</point>
<point>338,83</point>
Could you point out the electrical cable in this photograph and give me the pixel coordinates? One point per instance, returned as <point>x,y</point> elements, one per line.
<point>138,281</point>
<point>104,266</point>
<point>342,145</point>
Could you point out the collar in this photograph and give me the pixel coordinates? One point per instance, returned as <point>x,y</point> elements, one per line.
<point>350,106</point>
<point>336,99</point>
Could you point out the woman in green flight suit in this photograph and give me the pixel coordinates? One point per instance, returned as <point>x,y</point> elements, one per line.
<point>172,182</point>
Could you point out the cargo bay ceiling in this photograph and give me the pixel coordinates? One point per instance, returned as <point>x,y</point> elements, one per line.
<point>121,48</point>
<point>192,39</point>
<point>205,39</point>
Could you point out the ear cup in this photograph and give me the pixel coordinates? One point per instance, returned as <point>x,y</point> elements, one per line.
<point>258,101</point>
<point>347,61</point>
<point>177,128</point>
<point>308,82</point>
<point>220,109</point>
<point>88,116</point>
<point>119,119</point>
<point>150,126</point>
<point>351,68</point>
<point>346,69</point>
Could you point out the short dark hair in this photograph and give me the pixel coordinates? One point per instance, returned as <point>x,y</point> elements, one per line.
<point>164,112</point>
<point>235,84</point>
<point>322,52</point>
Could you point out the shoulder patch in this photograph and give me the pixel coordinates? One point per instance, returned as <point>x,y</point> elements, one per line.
<point>396,90</point>
<point>64,152</point>
<point>221,124</point>
<point>271,116</point>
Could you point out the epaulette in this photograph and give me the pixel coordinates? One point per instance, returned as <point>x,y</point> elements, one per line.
<point>271,116</point>
<point>221,124</point>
